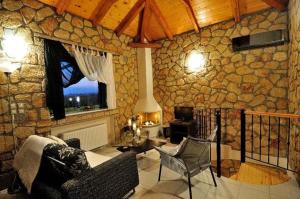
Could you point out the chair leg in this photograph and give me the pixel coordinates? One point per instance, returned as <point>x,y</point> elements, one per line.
<point>160,166</point>
<point>190,186</point>
<point>212,174</point>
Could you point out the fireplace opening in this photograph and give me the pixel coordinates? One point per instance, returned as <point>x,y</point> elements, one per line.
<point>149,119</point>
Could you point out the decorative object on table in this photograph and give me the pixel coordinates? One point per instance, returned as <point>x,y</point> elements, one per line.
<point>133,133</point>
<point>141,146</point>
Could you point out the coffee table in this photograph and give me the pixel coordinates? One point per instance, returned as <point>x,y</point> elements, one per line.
<point>145,146</point>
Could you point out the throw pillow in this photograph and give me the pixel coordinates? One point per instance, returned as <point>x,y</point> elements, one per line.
<point>74,160</point>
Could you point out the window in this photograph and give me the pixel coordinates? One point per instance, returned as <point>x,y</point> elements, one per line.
<point>83,96</point>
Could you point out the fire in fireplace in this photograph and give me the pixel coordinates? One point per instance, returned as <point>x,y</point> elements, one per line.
<point>149,119</point>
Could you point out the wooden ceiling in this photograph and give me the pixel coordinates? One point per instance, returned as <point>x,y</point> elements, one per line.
<point>150,20</point>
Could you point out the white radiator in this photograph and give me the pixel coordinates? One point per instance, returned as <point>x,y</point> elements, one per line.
<point>91,135</point>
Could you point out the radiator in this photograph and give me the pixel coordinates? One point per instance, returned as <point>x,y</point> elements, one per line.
<point>91,137</point>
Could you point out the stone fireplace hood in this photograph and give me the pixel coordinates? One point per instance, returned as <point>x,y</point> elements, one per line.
<point>146,102</point>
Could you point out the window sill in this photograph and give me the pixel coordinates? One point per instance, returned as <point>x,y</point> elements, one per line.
<point>86,112</point>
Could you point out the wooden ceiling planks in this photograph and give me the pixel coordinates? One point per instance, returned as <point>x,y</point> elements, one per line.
<point>118,12</point>
<point>160,18</point>
<point>62,5</point>
<point>278,4</point>
<point>191,14</point>
<point>213,11</point>
<point>83,8</point>
<point>170,17</point>
<point>176,15</point>
<point>135,10</point>
<point>251,6</point>
<point>101,10</point>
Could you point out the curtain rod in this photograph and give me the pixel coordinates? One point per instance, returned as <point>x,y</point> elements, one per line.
<point>73,43</point>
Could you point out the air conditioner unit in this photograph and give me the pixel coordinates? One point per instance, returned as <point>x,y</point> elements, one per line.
<point>259,40</point>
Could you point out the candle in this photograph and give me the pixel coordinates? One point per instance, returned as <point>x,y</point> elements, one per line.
<point>134,126</point>
<point>138,132</point>
<point>129,122</point>
<point>141,119</point>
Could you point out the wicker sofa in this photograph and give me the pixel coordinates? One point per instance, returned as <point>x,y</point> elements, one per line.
<point>115,178</point>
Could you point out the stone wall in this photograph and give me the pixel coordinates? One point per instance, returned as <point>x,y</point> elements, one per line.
<point>294,79</point>
<point>27,83</point>
<point>252,79</point>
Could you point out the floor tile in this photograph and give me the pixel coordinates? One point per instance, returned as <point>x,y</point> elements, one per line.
<point>224,189</point>
<point>285,190</point>
<point>250,193</point>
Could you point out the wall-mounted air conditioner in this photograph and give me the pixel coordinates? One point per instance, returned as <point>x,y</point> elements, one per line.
<point>259,40</point>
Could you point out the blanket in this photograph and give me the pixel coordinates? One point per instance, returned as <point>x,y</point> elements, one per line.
<point>28,159</point>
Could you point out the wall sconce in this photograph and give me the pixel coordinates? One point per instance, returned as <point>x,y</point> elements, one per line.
<point>13,49</point>
<point>14,45</point>
<point>195,61</point>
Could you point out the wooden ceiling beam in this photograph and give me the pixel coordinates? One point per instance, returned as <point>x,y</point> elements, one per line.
<point>236,10</point>
<point>162,21</point>
<point>145,45</point>
<point>278,4</point>
<point>135,10</point>
<point>140,27</point>
<point>191,14</point>
<point>61,6</point>
<point>146,21</point>
<point>101,10</point>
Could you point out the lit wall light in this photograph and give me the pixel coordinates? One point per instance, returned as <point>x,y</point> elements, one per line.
<point>13,45</point>
<point>195,62</point>
<point>13,49</point>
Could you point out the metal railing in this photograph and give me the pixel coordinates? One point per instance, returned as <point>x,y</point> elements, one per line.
<point>207,120</point>
<point>266,137</point>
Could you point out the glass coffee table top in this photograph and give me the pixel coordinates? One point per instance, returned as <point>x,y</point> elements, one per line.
<point>141,146</point>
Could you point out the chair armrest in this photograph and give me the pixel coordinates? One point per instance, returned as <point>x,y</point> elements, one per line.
<point>111,179</point>
<point>200,139</point>
<point>163,152</point>
<point>73,142</point>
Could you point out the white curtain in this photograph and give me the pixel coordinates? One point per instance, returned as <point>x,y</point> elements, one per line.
<point>98,67</point>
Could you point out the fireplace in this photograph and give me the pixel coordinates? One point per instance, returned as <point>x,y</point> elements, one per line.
<point>149,119</point>
<point>149,111</point>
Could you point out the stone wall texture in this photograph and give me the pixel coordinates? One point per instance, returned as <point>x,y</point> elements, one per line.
<point>252,79</point>
<point>294,78</point>
<point>27,83</point>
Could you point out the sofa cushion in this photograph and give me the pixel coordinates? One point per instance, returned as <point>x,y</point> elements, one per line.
<point>74,160</point>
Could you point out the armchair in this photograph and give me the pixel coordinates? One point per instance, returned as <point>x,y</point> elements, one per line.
<point>115,178</point>
<point>190,158</point>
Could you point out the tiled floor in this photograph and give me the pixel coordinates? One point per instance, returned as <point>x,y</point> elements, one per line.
<point>174,186</point>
